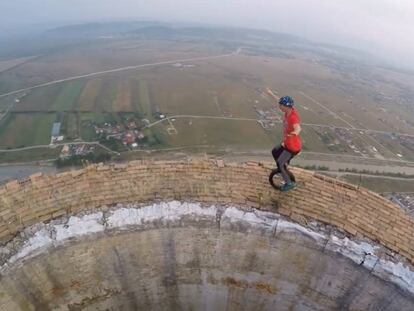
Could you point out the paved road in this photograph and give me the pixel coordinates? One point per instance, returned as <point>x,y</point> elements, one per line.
<point>357,157</point>
<point>97,73</point>
<point>334,114</point>
<point>59,145</point>
<point>199,117</point>
<point>257,120</point>
<point>339,174</point>
<point>189,116</point>
<point>225,118</point>
<point>358,129</point>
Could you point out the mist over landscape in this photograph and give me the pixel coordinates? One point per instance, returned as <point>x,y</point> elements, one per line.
<point>206,155</point>
<point>385,28</point>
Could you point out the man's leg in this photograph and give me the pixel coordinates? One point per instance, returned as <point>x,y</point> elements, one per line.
<point>281,162</point>
<point>292,177</point>
<point>276,152</point>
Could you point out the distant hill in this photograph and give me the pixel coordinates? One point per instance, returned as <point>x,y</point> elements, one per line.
<point>159,30</point>
<point>262,42</point>
<point>255,38</point>
<point>99,29</point>
<point>215,33</point>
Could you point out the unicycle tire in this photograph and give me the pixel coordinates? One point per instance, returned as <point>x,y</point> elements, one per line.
<point>275,172</point>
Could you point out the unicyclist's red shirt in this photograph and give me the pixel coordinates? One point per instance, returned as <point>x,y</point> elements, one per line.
<point>292,142</point>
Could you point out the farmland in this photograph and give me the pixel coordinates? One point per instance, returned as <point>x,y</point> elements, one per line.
<point>11,63</point>
<point>216,103</point>
<point>23,129</point>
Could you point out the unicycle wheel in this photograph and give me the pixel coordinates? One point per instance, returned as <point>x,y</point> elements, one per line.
<point>273,173</point>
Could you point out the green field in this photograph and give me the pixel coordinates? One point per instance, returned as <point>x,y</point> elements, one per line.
<point>5,103</point>
<point>380,185</point>
<point>156,138</point>
<point>312,141</point>
<point>144,100</point>
<point>72,126</point>
<point>67,98</point>
<point>39,100</point>
<point>228,87</point>
<point>69,124</point>
<point>30,155</point>
<point>22,129</point>
<point>396,147</point>
<point>105,98</point>
<point>214,132</point>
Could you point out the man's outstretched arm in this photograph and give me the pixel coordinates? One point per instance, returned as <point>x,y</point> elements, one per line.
<point>270,92</point>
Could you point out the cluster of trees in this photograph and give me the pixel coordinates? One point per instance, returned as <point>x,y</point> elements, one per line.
<point>79,160</point>
<point>353,170</point>
<point>113,144</point>
<point>314,167</point>
<point>391,174</point>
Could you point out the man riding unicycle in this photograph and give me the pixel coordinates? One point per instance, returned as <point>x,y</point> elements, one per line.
<point>292,143</point>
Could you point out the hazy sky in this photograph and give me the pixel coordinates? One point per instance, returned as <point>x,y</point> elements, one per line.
<point>385,27</point>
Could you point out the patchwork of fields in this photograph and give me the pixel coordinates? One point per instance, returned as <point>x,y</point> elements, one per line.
<point>23,129</point>
<point>230,89</point>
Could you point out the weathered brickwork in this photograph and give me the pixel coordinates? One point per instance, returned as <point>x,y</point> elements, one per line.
<point>355,210</point>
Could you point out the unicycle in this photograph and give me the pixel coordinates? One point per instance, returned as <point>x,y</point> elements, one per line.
<point>274,173</point>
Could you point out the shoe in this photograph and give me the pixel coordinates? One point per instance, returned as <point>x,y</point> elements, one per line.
<point>288,186</point>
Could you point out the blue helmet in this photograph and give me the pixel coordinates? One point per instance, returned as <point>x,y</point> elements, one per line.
<point>286,101</point>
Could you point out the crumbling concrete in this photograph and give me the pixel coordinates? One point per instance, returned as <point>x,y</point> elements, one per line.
<point>177,255</point>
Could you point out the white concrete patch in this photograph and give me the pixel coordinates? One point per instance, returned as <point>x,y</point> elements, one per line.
<point>284,225</point>
<point>78,226</point>
<point>124,217</point>
<point>257,218</point>
<point>361,253</point>
<point>173,210</point>
<point>397,273</point>
<point>39,241</point>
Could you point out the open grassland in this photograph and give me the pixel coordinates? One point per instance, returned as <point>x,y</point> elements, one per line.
<point>144,100</point>
<point>231,87</point>
<point>69,125</point>
<point>39,100</point>
<point>313,142</point>
<point>326,96</point>
<point>380,185</point>
<point>122,100</point>
<point>59,97</point>
<point>99,56</point>
<point>22,129</point>
<point>5,103</point>
<point>31,155</point>
<point>68,96</point>
<point>198,89</point>
<point>72,126</point>
<point>87,99</point>
<point>11,63</point>
<point>107,95</point>
<point>357,107</point>
<point>407,151</point>
<point>212,132</point>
